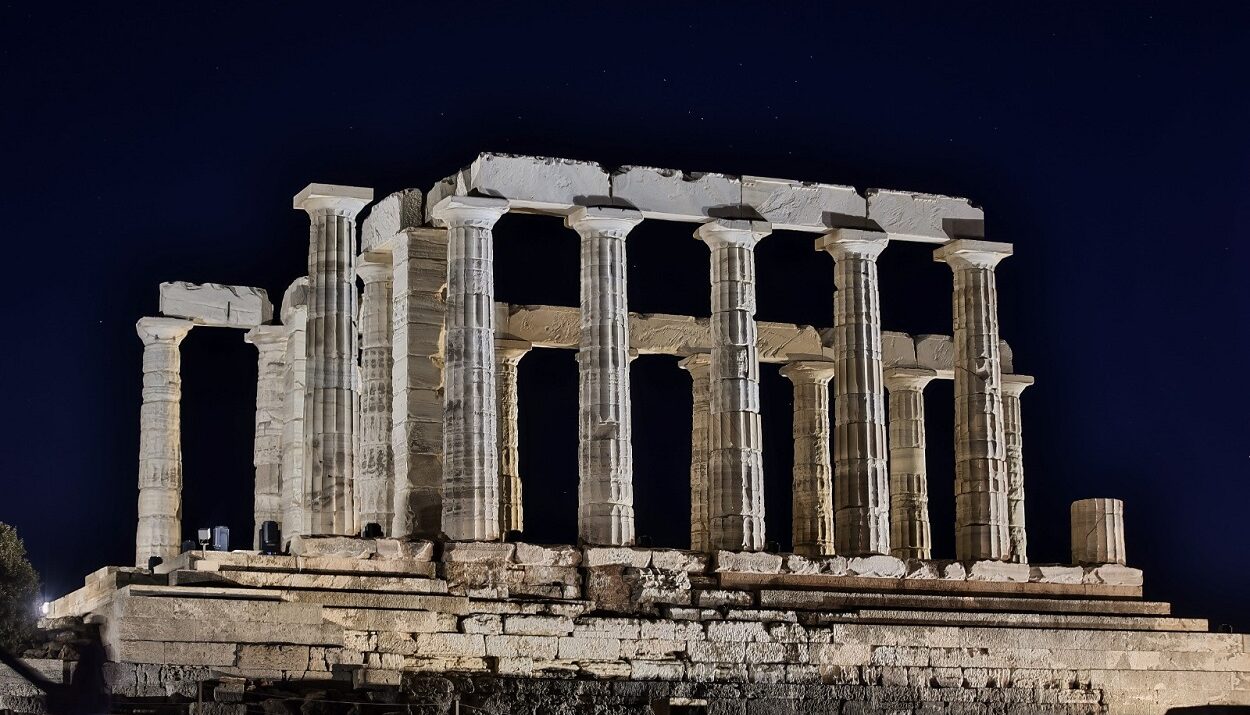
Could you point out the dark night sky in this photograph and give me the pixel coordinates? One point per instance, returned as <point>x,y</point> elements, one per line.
<point>1108,143</point>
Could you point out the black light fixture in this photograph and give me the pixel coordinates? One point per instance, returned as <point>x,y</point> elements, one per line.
<point>154,561</point>
<point>270,540</point>
<point>372,530</point>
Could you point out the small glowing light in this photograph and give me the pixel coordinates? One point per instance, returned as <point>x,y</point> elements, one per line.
<point>45,608</point>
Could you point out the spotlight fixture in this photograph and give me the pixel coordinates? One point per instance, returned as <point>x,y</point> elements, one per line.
<point>270,540</point>
<point>204,536</point>
<point>221,538</point>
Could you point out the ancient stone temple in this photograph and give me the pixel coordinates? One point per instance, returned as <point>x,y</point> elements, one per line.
<point>386,452</point>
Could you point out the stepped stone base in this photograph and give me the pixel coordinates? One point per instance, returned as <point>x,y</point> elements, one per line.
<point>510,628</point>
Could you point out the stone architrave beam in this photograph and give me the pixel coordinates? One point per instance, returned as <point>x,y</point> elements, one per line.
<point>508,354</point>
<point>547,185</point>
<point>605,444</point>
<point>1098,531</point>
<point>330,406</point>
<point>861,475</point>
<point>470,453</point>
<point>698,365</point>
<point>271,346</point>
<point>159,531</point>
<point>294,492</point>
<point>217,305</point>
<point>812,518</point>
<point>374,488</point>
<point>1013,435</point>
<point>910,532</point>
<point>981,521</point>
<point>736,455</point>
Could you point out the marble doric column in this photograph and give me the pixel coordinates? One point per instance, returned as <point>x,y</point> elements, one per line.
<point>295,510</point>
<point>1013,385</point>
<point>159,530</point>
<point>417,394</point>
<point>861,475</point>
<point>812,519</point>
<point>698,366</point>
<point>508,354</point>
<point>1098,531</point>
<point>374,489</point>
<point>329,407</point>
<point>910,534</point>
<point>270,342</point>
<point>981,530</point>
<point>605,512</point>
<point>735,443</point>
<point>470,456</point>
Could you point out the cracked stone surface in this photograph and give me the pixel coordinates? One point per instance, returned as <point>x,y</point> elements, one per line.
<point>1013,435</point>
<point>812,517</point>
<point>508,354</point>
<point>1098,531</point>
<point>910,532</point>
<point>216,304</point>
<point>271,344</point>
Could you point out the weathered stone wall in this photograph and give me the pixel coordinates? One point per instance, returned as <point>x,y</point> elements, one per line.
<point>614,629</point>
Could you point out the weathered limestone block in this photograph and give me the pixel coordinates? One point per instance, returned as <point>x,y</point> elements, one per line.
<point>861,475</point>
<point>812,519</point>
<point>470,507</point>
<point>935,352</point>
<point>747,562</point>
<point>897,349</point>
<point>910,533</point>
<point>876,566</point>
<point>802,206</point>
<point>539,555</point>
<point>921,217</point>
<point>1013,386</point>
<point>736,461</point>
<point>216,304</point>
<point>998,571</point>
<point>981,529</point>
<point>331,396</point>
<point>1112,574</point>
<point>294,495</point>
<point>529,183</point>
<point>605,445</point>
<point>419,257</point>
<point>271,345</point>
<point>337,546</point>
<point>1098,531</point>
<point>677,560</point>
<point>700,389</point>
<point>672,195</point>
<point>1048,573</point>
<point>389,216</point>
<point>374,483</point>
<point>616,556</point>
<point>159,531</point>
<point>833,565</point>
<point>478,552</point>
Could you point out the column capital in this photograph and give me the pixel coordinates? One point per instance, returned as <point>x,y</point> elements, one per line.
<point>163,330</point>
<point>603,221</point>
<point>268,336</point>
<point>845,242</point>
<point>732,232</point>
<point>965,253</point>
<point>375,266</point>
<point>512,351</point>
<point>696,364</point>
<point>898,379</point>
<point>331,198</point>
<point>473,211</point>
<point>1013,385</point>
<point>808,371</point>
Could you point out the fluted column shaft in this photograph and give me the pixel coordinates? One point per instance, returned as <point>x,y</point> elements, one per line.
<point>700,375</point>
<point>605,512</point>
<point>812,520</point>
<point>330,404</point>
<point>470,453</point>
<point>159,527</point>
<point>735,458</point>
<point>1013,438</point>
<point>270,342</point>
<point>295,506</point>
<point>911,535</point>
<point>508,354</point>
<point>981,522</point>
<point>374,488</point>
<point>861,474</point>
<point>1098,531</point>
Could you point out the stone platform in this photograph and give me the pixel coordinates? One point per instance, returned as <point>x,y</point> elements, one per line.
<point>524,628</point>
